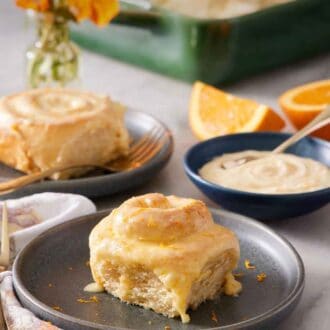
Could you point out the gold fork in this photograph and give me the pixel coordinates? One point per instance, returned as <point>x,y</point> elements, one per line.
<point>5,253</point>
<point>5,249</point>
<point>140,153</point>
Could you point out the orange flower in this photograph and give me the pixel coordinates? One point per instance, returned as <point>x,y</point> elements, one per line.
<point>101,12</point>
<point>104,11</point>
<point>81,9</point>
<point>38,5</point>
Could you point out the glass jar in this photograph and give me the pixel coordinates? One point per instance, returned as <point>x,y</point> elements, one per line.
<point>53,60</point>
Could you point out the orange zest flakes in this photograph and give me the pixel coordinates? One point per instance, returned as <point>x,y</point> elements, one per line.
<point>248,265</point>
<point>214,317</point>
<point>57,308</point>
<point>207,234</point>
<point>166,245</point>
<point>151,223</point>
<point>92,299</point>
<point>238,274</point>
<point>261,277</point>
<point>163,245</point>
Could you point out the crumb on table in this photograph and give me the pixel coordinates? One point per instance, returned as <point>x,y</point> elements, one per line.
<point>57,308</point>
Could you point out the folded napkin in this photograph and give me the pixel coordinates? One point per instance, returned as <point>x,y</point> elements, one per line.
<point>31,216</point>
<point>17,317</point>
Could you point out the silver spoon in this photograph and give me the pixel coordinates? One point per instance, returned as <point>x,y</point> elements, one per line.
<point>319,121</point>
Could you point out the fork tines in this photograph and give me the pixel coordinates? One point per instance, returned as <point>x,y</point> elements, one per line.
<point>147,143</point>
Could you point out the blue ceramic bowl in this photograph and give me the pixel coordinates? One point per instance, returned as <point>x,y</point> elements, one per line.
<point>259,206</point>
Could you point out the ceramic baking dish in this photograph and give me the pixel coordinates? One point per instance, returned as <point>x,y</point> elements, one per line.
<point>213,50</point>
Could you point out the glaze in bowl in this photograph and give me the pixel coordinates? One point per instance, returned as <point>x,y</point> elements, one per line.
<point>257,205</point>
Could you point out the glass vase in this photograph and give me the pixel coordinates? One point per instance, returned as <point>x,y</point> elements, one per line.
<point>53,60</point>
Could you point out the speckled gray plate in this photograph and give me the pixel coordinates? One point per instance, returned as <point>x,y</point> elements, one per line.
<point>52,271</point>
<point>96,183</point>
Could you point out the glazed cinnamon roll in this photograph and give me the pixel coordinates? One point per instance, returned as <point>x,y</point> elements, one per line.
<point>163,253</point>
<point>42,128</point>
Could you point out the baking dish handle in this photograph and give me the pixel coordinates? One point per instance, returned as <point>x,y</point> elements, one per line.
<point>138,18</point>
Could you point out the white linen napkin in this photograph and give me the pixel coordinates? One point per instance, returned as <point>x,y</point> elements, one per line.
<point>33,215</point>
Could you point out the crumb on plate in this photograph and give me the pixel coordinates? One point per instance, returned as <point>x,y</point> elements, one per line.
<point>214,317</point>
<point>92,299</point>
<point>238,274</point>
<point>248,264</point>
<point>261,277</point>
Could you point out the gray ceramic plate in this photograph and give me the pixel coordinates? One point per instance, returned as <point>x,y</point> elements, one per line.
<point>97,184</point>
<point>52,271</point>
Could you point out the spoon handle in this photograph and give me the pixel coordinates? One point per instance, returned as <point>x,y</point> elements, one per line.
<point>142,4</point>
<point>319,121</point>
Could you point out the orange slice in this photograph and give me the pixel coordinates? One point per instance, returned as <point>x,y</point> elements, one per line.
<point>213,112</point>
<point>303,103</point>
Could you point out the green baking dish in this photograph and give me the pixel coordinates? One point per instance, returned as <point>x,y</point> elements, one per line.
<point>215,50</point>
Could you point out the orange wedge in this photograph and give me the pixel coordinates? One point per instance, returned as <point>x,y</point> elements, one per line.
<point>213,112</point>
<point>303,103</point>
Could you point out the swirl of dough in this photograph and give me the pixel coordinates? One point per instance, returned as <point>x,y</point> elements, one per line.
<point>154,217</point>
<point>52,105</point>
<point>163,252</point>
<point>50,127</point>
